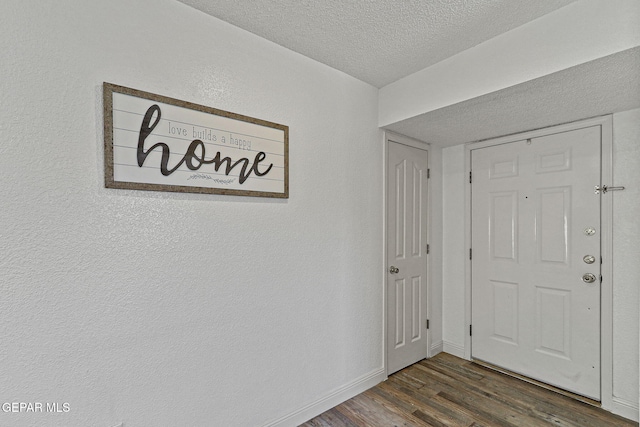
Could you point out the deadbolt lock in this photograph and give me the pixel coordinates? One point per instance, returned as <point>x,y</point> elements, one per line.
<point>589,259</point>
<point>588,278</point>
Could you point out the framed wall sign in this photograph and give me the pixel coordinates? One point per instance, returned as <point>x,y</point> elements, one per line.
<point>154,142</point>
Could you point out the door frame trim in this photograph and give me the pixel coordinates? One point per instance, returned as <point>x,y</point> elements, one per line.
<point>392,137</point>
<point>606,287</point>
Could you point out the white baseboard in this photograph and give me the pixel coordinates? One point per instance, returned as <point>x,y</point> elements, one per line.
<point>624,408</point>
<point>454,349</point>
<point>334,398</point>
<point>436,348</point>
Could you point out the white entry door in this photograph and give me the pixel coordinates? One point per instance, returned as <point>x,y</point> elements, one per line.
<point>536,241</point>
<point>406,256</point>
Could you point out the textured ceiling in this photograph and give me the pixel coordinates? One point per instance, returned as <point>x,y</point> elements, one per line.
<point>606,85</point>
<point>377,41</point>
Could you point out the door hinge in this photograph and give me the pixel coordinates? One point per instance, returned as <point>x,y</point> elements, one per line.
<point>601,278</point>
<point>469,177</point>
<point>427,249</point>
<point>470,330</point>
<point>427,323</point>
<point>428,173</point>
<point>470,253</point>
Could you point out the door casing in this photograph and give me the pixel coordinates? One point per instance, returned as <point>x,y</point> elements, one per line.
<point>606,325</point>
<point>390,137</point>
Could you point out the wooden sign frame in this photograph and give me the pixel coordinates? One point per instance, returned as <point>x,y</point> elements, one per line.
<point>153,142</point>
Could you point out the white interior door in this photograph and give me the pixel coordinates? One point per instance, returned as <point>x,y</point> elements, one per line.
<point>535,234</point>
<point>406,256</point>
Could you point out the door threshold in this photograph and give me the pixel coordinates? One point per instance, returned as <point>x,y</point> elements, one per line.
<point>546,386</point>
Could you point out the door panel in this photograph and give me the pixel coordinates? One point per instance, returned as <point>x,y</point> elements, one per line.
<point>407,241</point>
<point>504,222</point>
<point>531,311</point>
<point>553,208</point>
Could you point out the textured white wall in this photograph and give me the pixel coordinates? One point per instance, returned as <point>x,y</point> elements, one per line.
<point>626,269</point>
<point>436,251</point>
<point>158,309</point>
<point>454,251</point>
<point>626,252</point>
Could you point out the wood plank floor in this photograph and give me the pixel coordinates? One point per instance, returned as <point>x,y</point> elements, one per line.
<point>448,391</point>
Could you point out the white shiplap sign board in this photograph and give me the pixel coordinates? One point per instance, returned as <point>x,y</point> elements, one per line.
<point>153,142</point>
